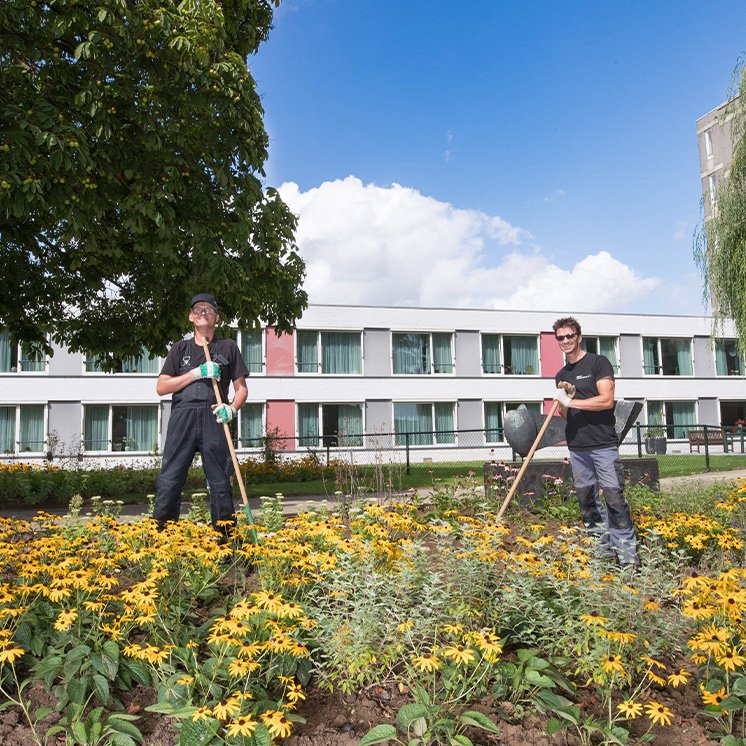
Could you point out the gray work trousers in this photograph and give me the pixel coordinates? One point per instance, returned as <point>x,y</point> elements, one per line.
<point>192,427</point>
<point>611,523</point>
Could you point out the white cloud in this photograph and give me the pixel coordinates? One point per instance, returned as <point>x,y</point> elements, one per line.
<point>365,244</point>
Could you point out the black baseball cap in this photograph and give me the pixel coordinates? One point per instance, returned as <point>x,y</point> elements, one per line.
<point>204,298</point>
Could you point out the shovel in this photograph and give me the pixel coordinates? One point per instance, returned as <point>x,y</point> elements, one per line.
<point>228,437</point>
<point>571,392</point>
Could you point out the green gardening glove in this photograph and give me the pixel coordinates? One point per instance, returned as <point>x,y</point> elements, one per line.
<point>224,412</point>
<point>206,370</point>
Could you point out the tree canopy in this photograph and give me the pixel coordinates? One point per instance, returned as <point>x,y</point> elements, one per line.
<point>720,242</point>
<point>132,148</point>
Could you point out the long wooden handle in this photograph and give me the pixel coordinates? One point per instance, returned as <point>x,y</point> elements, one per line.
<point>227,430</point>
<point>526,460</point>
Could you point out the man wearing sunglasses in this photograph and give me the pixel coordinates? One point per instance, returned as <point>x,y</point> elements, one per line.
<point>594,445</point>
<point>196,419</point>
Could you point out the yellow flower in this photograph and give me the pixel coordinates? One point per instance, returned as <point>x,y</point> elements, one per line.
<point>459,654</point>
<point>675,679</point>
<point>243,725</point>
<point>658,713</point>
<point>613,663</point>
<point>653,662</point>
<point>453,629</point>
<point>657,679</point>
<point>729,659</point>
<point>203,713</point>
<point>489,642</point>
<point>426,662</point>
<point>8,655</point>
<point>224,710</point>
<point>713,698</point>
<point>277,724</point>
<point>268,601</point>
<point>65,620</point>
<point>630,709</point>
<point>405,626</point>
<point>597,619</point>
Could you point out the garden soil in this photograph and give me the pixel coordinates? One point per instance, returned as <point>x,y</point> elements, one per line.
<point>335,719</point>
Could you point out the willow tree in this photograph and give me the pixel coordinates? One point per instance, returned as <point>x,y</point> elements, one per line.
<point>720,242</point>
<point>132,149</point>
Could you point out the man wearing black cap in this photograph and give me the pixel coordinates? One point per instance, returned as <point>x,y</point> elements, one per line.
<point>196,419</point>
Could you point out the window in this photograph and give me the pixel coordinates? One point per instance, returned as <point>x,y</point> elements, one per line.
<point>422,354</point>
<point>22,429</point>
<point>251,425</point>
<point>605,346</point>
<point>667,356</point>
<point>516,355</point>
<point>332,353</point>
<point>120,428</point>
<point>15,359</point>
<point>421,424</point>
<point>678,417</point>
<point>333,425</point>
<point>728,359</point>
<point>494,416</point>
<point>712,184</point>
<point>145,363</point>
<point>252,350</point>
<point>708,143</point>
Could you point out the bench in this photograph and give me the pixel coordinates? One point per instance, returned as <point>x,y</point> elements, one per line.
<point>697,439</point>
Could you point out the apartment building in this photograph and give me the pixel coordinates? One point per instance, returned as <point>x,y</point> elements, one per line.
<point>715,140</point>
<point>351,373</point>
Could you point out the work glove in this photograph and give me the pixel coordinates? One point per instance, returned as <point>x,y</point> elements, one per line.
<point>206,370</point>
<point>562,397</point>
<point>224,412</point>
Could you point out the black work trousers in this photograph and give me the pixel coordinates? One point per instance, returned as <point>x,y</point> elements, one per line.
<point>192,427</point>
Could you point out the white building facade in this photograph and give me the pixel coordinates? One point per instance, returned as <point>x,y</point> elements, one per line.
<point>353,375</point>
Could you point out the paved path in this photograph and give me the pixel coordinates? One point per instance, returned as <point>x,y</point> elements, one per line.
<point>707,477</point>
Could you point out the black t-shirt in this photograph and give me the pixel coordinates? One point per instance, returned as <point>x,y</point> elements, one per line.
<point>588,430</point>
<point>187,354</point>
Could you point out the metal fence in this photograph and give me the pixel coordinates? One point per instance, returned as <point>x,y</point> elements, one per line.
<point>472,448</point>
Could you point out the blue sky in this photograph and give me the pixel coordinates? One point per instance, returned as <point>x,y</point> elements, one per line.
<point>496,154</point>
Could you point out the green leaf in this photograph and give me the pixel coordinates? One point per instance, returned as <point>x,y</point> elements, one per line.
<point>262,736</point>
<point>122,723</point>
<point>410,713</point>
<point>525,654</point>
<point>200,733</point>
<point>537,679</point>
<point>479,720</point>
<point>378,734</point>
<point>169,708</point>
<point>461,740</point>
<point>732,703</point>
<point>554,725</point>
<point>101,687</point>
<point>79,732</point>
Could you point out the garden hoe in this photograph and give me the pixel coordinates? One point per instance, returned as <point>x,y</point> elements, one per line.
<point>228,437</point>
<point>570,389</point>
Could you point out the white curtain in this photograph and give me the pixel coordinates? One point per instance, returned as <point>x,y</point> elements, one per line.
<point>142,428</point>
<point>96,427</point>
<point>444,423</point>
<point>442,353</point>
<point>340,352</point>
<point>650,355</point>
<point>493,421</point>
<point>308,425</point>
<point>308,355</point>
<point>31,428</point>
<point>251,425</point>
<point>7,429</point>
<point>415,419</point>
<point>350,425</point>
<point>251,350</point>
<point>521,355</point>
<point>490,353</point>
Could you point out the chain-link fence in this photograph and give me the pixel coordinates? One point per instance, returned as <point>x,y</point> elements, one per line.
<point>676,447</point>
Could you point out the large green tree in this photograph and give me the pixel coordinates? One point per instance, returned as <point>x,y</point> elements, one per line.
<point>132,149</point>
<point>720,242</point>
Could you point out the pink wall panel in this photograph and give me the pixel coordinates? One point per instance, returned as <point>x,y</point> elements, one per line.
<point>551,355</point>
<point>281,419</point>
<point>280,354</point>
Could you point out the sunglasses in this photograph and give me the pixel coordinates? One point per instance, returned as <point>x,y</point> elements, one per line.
<point>563,337</point>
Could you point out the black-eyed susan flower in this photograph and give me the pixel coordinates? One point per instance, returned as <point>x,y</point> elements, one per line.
<point>277,724</point>
<point>243,725</point>
<point>613,663</point>
<point>630,709</point>
<point>427,662</point>
<point>677,679</point>
<point>459,654</point>
<point>594,619</point>
<point>658,713</point>
<point>730,659</point>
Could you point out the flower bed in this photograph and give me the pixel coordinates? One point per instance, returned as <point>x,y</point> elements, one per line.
<point>475,624</point>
